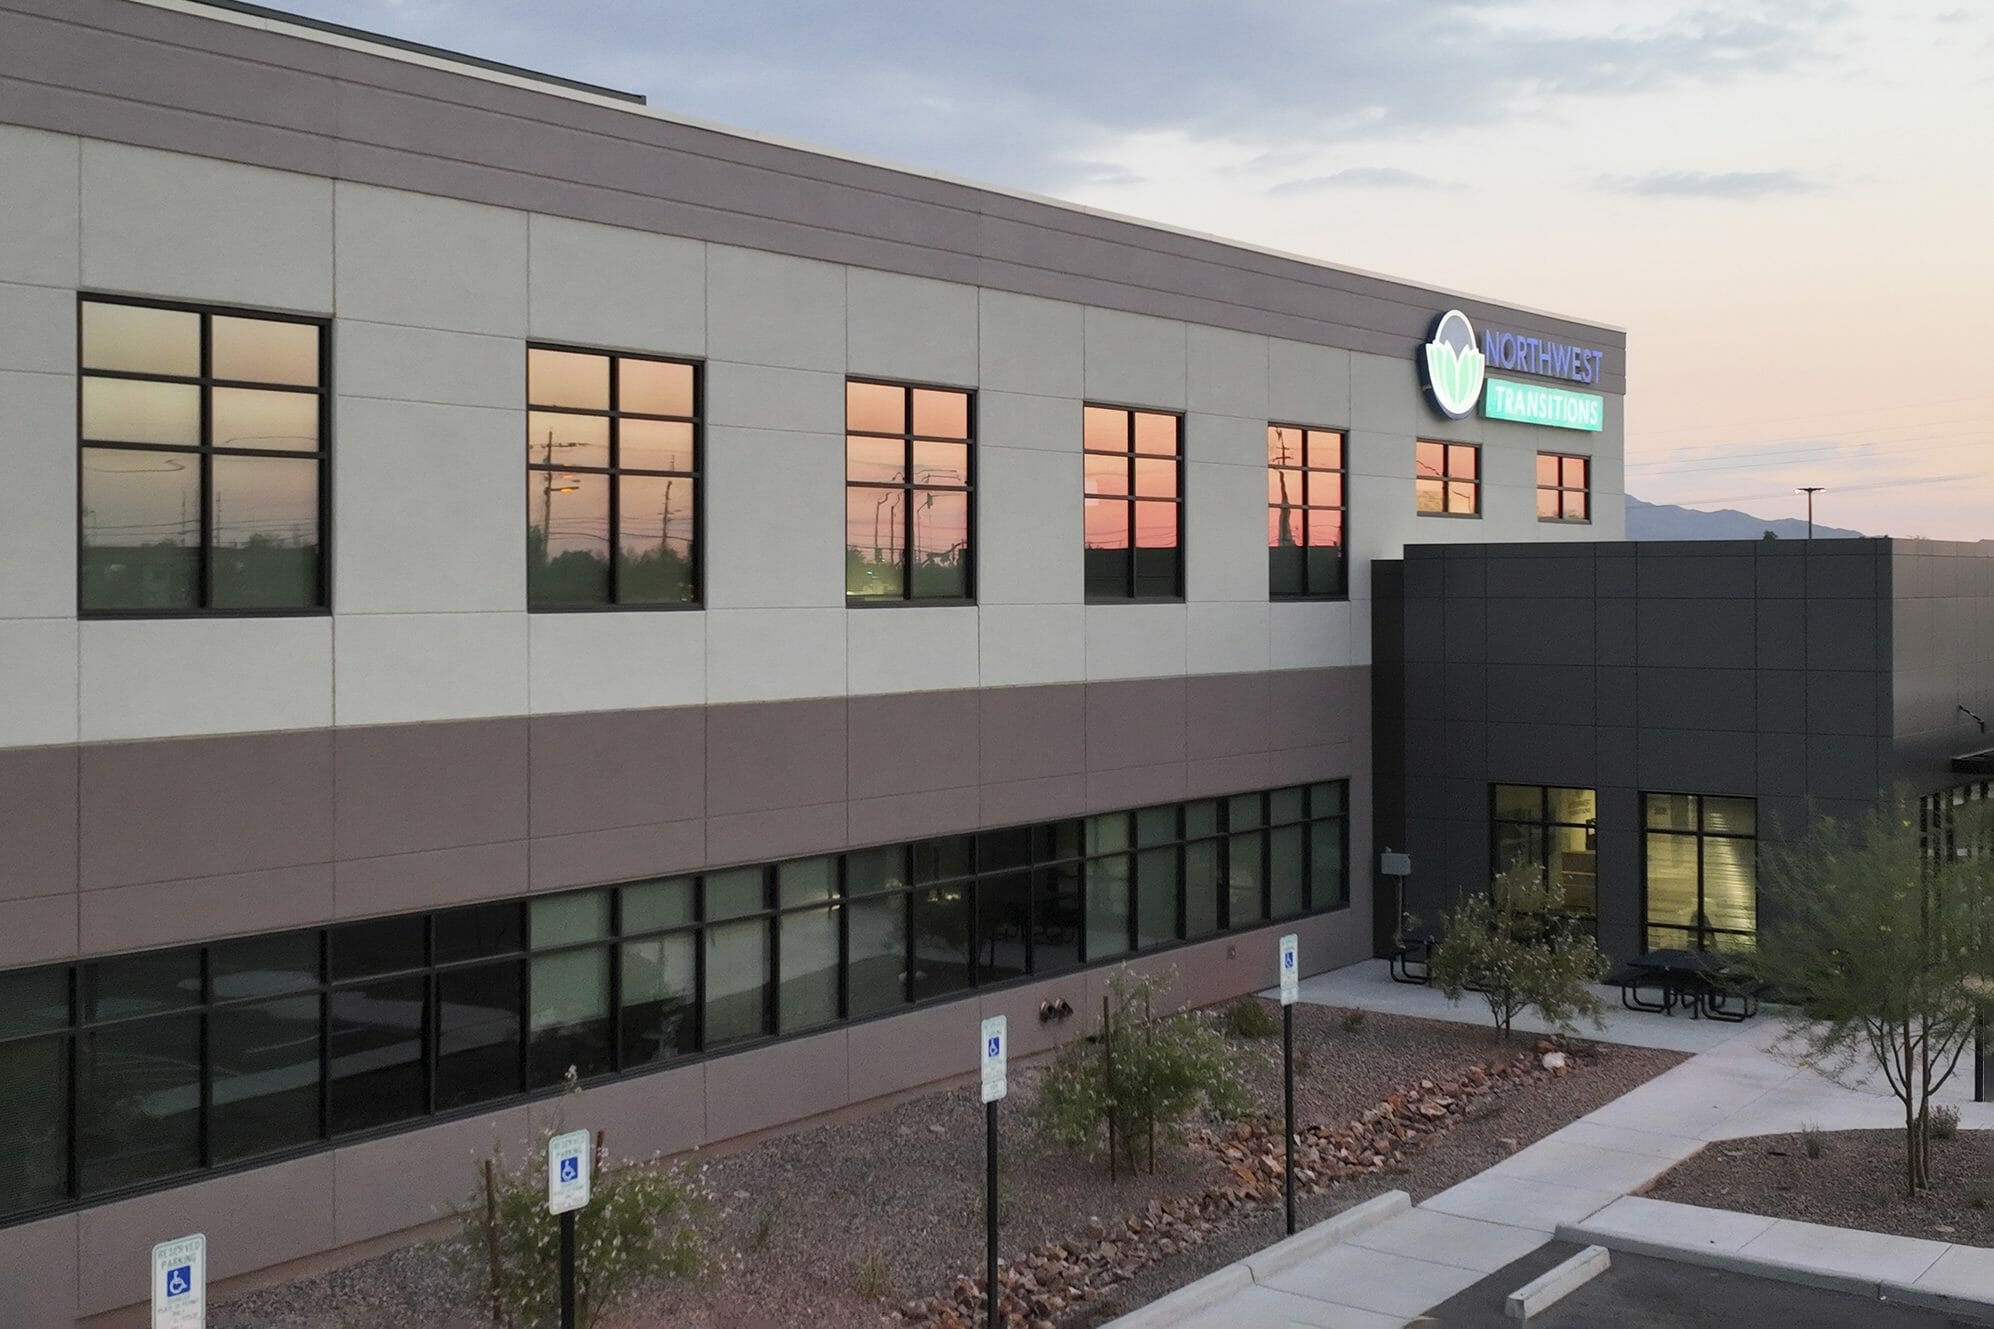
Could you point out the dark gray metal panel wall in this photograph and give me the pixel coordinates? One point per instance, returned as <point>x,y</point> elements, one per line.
<point>129,73</point>
<point>1755,668</point>
<point>1942,605</point>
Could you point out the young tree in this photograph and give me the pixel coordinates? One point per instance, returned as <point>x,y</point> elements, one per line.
<point>1513,947</point>
<point>1140,1074</point>
<point>1882,945</point>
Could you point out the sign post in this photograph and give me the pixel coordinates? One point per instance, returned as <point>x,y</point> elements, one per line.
<point>1291,986</point>
<point>569,1161</point>
<point>180,1283</point>
<point>993,1047</point>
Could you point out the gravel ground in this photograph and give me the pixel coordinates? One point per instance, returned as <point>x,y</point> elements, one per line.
<point>1857,1182</point>
<point>891,1203</point>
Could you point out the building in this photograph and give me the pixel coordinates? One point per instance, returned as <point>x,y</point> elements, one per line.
<point>1638,718</point>
<point>495,578</point>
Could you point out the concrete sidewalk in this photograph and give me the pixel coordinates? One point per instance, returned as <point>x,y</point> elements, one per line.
<point>1388,1275</point>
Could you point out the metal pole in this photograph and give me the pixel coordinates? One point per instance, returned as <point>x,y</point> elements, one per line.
<point>1980,1057</point>
<point>1810,491</point>
<point>1288,1104</point>
<point>990,1291</point>
<point>568,1270</point>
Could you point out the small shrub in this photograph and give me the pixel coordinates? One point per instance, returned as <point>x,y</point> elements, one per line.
<point>1138,1076</point>
<point>1304,1057</point>
<point>1813,1140</point>
<point>874,1280</point>
<point>1979,1197</point>
<point>765,1225</point>
<point>1513,948</point>
<point>640,1223</point>
<point>1248,1018</point>
<point>1353,1020</point>
<point>1945,1121</point>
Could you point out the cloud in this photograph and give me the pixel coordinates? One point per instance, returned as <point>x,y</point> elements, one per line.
<point>1742,185</point>
<point>1361,177</point>
<point>1014,92</point>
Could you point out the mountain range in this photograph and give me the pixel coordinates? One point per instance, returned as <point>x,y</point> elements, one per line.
<point>1665,521</point>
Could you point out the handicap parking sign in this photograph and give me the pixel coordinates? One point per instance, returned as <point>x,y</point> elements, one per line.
<point>568,1159</point>
<point>180,1283</point>
<point>179,1280</point>
<point>571,1169</point>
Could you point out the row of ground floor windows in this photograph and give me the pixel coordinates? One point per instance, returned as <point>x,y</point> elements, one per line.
<point>1699,859</point>
<point>128,1072</point>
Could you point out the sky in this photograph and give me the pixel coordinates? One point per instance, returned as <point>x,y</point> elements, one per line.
<point>1789,205</point>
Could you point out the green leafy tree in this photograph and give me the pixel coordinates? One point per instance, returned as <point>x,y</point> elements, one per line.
<point>1884,949</point>
<point>1515,949</point>
<point>641,1222</point>
<point>1139,1076</point>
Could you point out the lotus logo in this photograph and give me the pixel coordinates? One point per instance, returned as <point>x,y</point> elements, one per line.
<point>1453,367</point>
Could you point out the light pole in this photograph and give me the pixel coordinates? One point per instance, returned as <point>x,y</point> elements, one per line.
<point>1810,491</point>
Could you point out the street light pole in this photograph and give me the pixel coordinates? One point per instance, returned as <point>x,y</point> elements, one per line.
<point>1810,491</point>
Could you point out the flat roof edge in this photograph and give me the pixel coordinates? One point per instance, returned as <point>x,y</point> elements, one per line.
<point>247,14</point>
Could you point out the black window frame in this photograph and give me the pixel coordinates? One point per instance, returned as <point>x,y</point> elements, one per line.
<point>1562,492</point>
<point>409,953</point>
<point>1447,479</point>
<point>1308,506</point>
<point>1130,500</point>
<point>1701,934</point>
<point>908,486</point>
<point>615,471</point>
<point>1542,825</point>
<point>205,382</point>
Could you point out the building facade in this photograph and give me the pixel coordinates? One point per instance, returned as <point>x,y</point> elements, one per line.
<point>498,579</point>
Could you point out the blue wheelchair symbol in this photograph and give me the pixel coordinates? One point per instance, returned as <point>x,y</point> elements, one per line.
<point>996,1045</point>
<point>571,1169</point>
<point>1288,960</point>
<point>179,1280</point>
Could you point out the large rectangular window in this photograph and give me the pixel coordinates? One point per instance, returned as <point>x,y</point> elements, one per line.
<point>1564,487</point>
<point>1304,512</point>
<point>203,439</point>
<point>1133,486</point>
<point>1447,479</point>
<point>1552,831</point>
<point>1700,874</point>
<point>908,497</point>
<point>612,480</point>
<point>139,1071</point>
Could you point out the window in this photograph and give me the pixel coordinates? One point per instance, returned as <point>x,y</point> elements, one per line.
<point>1564,487</point>
<point>612,480</point>
<point>1304,511</point>
<point>1133,482</point>
<point>133,1072</point>
<point>1553,831</point>
<point>907,493</point>
<point>203,443</point>
<point>1447,479</point>
<point>1701,875</point>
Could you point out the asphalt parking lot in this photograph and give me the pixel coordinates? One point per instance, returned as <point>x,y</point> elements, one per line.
<point>1640,1292</point>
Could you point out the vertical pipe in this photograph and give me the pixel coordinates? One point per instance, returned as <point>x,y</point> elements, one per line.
<point>568,1270</point>
<point>990,1289</point>
<point>1288,1104</point>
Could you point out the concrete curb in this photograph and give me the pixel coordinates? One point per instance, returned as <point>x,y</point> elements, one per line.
<point>1730,1261</point>
<point>1285,1254</point>
<point>1555,1284</point>
<point>1949,1304</point>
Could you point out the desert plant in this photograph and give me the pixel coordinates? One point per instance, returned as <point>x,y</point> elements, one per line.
<point>640,1223</point>
<point>1513,947</point>
<point>765,1225</point>
<point>1138,1076</point>
<point>873,1279</point>
<point>1813,1140</point>
<point>1883,948</point>
<point>1944,1121</point>
<point>1353,1020</point>
<point>1248,1018</point>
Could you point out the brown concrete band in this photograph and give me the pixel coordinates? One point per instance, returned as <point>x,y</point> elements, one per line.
<point>129,73</point>
<point>110,847</point>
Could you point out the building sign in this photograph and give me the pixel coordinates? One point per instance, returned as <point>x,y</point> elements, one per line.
<point>991,1050</point>
<point>568,1165</point>
<point>180,1283</point>
<point>1534,355</point>
<point>1531,404</point>
<point>1452,367</point>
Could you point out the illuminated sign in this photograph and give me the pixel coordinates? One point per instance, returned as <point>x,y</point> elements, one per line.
<point>1451,366</point>
<point>1534,355</point>
<point>1534,404</point>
